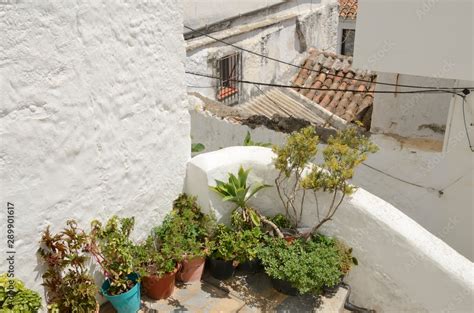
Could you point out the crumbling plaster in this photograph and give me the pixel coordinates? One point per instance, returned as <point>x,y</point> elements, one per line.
<point>93,117</point>
<point>284,37</point>
<point>411,115</point>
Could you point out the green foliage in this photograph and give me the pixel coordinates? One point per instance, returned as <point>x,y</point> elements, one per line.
<point>309,265</point>
<point>114,251</point>
<point>281,221</point>
<point>248,243</point>
<point>152,259</point>
<point>236,245</point>
<point>300,148</point>
<point>16,298</point>
<point>345,256</point>
<point>249,142</point>
<point>224,244</point>
<point>237,191</point>
<point>185,231</point>
<point>197,147</point>
<point>343,153</point>
<point>69,286</point>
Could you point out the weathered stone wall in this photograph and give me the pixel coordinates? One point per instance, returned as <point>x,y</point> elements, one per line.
<point>284,38</point>
<point>93,116</point>
<point>402,267</point>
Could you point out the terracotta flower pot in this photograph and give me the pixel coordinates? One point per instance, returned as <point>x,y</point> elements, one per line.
<point>191,269</point>
<point>160,287</point>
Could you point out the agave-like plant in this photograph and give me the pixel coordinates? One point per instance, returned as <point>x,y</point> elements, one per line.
<point>237,190</point>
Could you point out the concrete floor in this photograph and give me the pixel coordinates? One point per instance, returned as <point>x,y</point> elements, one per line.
<point>244,293</point>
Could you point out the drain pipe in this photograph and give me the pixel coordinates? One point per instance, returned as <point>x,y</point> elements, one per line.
<point>350,306</point>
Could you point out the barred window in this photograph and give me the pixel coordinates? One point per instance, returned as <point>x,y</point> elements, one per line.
<point>229,71</point>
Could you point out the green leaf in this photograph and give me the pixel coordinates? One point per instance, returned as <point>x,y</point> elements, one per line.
<point>254,217</point>
<point>247,139</point>
<point>256,188</point>
<point>197,147</point>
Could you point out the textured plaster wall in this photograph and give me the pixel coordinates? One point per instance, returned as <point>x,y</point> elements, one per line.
<point>411,115</point>
<point>448,216</point>
<point>198,13</point>
<point>93,116</point>
<point>402,267</point>
<point>287,41</point>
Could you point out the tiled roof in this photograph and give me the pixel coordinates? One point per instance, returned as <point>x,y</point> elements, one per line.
<point>331,71</point>
<point>348,8</point>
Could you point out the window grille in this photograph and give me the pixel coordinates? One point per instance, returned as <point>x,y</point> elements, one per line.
<point>229,71</point>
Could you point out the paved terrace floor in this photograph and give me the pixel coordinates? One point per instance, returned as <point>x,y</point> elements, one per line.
<point>244,293</point>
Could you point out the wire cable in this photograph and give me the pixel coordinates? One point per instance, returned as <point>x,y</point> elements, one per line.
<point>426,91</point>
<point>312,70</point>
<point>465,123</point>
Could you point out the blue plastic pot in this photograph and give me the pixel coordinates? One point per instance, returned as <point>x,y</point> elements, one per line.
<point>127,302</point>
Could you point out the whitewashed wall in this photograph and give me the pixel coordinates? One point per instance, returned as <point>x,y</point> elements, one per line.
<point>93,117</point>
<point>412,115</point>
<point>280,41</point>
<point>448,216</point>
<point>402,267</point>
<point>198,13</point>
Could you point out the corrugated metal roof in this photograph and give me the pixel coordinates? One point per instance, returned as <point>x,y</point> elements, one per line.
<point>274,101</point>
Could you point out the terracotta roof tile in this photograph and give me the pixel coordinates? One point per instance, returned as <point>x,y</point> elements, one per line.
<point>348,8</point>
<point>331,71</point>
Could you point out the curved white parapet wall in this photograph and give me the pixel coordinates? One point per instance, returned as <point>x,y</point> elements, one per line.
<point>402,267</point>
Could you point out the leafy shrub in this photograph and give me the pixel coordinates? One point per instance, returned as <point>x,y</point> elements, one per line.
<point>69,286</point>
<point>114,251</point>
<point>248,243</point>
<point>309,265</point>
<point>343,153</point>
<point>16,298</point>
<point>186,229</point>
<point>150,259</point>
<point>224,244</point>
<point>281,221</point>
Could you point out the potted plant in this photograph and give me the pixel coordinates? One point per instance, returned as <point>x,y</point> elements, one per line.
<point>113,249</point>
<point>15,297</point>
<point>237,190</point>
<point>192,229</point>
<point>69,286</point>
<point>304,266</point>
<point>299,176</point>
<point>157,266</point>
<point>224,252</point>
<point>248,243</point>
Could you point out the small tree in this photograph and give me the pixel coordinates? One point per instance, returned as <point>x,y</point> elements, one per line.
<point>298,175</point>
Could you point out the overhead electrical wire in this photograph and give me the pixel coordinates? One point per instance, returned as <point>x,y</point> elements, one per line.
<point>313,70</point>
<point>427,91</point>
